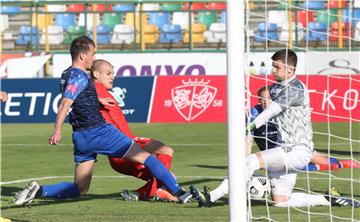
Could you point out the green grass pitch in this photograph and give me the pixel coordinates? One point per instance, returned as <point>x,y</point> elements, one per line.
<point>200,159</point>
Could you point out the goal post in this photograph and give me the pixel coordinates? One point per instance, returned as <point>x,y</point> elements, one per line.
<point>236,109</point>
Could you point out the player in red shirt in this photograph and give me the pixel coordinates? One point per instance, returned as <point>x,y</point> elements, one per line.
<point>103,76</point>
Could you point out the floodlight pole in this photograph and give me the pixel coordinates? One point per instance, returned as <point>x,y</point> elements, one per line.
<point>236,109</point>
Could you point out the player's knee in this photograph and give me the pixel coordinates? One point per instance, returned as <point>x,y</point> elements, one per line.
<point>167,150</point>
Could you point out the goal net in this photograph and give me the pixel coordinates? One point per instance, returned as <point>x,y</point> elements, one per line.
<point>325,34</point>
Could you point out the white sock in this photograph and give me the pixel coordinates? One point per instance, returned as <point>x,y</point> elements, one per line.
<point>220,191</point>
<point>252,164</point>
<point>304,200</point>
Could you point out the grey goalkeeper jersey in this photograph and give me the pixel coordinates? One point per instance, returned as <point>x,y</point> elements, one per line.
<point>294,121</point>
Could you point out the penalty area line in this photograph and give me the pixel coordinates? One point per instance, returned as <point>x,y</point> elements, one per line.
<point>116,177</point>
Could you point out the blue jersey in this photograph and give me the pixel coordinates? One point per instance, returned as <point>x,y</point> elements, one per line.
<point>265,136</point>
<point>76,85</point>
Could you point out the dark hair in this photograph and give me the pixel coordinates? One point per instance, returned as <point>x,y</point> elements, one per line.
<point>287,56</point>
<point>96,65</point>
<point>262,89</point>
<point>80,45</point>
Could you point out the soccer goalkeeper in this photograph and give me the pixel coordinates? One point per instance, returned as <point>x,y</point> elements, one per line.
<point>290,110</point>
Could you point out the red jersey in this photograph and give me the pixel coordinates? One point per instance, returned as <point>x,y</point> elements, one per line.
<point>113,114</point>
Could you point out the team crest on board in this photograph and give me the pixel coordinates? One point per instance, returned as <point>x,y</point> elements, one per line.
<point>192,98</point>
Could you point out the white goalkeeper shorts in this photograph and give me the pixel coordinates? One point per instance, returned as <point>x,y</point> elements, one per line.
<point>282,166</point>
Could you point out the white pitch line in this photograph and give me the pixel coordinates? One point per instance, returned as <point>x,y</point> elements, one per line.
<point>122,176</point>
<point>173,144</point>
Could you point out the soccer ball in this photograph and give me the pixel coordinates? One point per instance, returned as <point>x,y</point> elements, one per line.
<point>259,187</point>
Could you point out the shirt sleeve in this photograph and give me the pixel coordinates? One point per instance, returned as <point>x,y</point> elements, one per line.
<point>76,83</point>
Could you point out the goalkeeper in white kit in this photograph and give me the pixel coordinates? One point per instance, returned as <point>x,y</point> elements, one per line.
<point>290,110</point>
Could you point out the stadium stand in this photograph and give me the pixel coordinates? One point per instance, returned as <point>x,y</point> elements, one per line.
<point>316,32</point>
<point>55,35</point>
<point>170,34</point>
<point>112,19</point>
<point>216,33</point>
<point>170,14</point>
<point>266,31</point>
<point>346,31</point>
<point>123,34</point>
<point>197,30</point>
<point>27,34</point>
<point>102,34</point>
<point>150,35</point>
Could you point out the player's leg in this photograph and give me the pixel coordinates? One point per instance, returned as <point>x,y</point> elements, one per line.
<point>83,175</point>
<point>80,186</point>
<point>136,154</point>
<point>282,186</point>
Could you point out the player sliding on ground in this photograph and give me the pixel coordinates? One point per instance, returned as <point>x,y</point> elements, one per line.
<point>290,110</point>
<point>102,74</point>
<point>91,134</point>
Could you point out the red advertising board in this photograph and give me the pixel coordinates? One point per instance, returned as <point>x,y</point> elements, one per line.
<point>203,99</point>
<point>189,99</point>
<point>332,98</point>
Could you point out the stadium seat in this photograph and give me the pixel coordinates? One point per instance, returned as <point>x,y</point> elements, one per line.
<point>346,31</point>
<point>89,20</point>
<point>182,19</point>
<point>73,32</point>
<point>56,8</point>
<point>197,33</point>
<point>101,7</point>
<point>124,8</point>
<point>170,34</point>
<point>335,4</point>
<point>27,34</point>
<point>4,22</point>
<point>351,15</point>
<point>278,17</point>
<point>314,4</point>
<point>216,33</point>
<point>216,6</point>
<point>357,32</point>
<point>10,10</point>
<point>170,7</point>
<point>102,34</point>
<point>284,34</point>
<point>223,17</point>
<point>159,18</point>
<point>283,5</point>
<point>123,34</point>
<point>316,32</point>
<point>151,7</point>
<point>327,17</point>
<point>305,16</point>
<point>55,35</point>
<point>40,20</point>
<point>266,32</point>
<point>75,8</point>
<point>207,18</point>
<point>151,34</point>
<point>196,6</point>
<point>65,20</point>
<point>134,20</point>
<point>111,19</point>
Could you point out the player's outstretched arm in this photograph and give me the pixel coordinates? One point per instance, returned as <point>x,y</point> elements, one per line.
<point>60,117</point>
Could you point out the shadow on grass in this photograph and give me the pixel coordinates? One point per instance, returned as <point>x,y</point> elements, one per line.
<point>339,152</point>
<point>211,167</point>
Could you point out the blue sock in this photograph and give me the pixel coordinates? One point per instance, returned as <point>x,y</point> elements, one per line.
<point>161,173</point>
<point>333,160</point>
<point>60,190</point>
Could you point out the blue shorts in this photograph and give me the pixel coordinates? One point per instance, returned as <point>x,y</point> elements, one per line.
<point>104,139</point>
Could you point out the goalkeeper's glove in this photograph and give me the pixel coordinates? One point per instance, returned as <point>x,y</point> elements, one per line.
<point>250,127</point>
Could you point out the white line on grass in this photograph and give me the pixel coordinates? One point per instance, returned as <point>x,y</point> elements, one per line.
<point>173,144</point>
<point>116,177</point>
